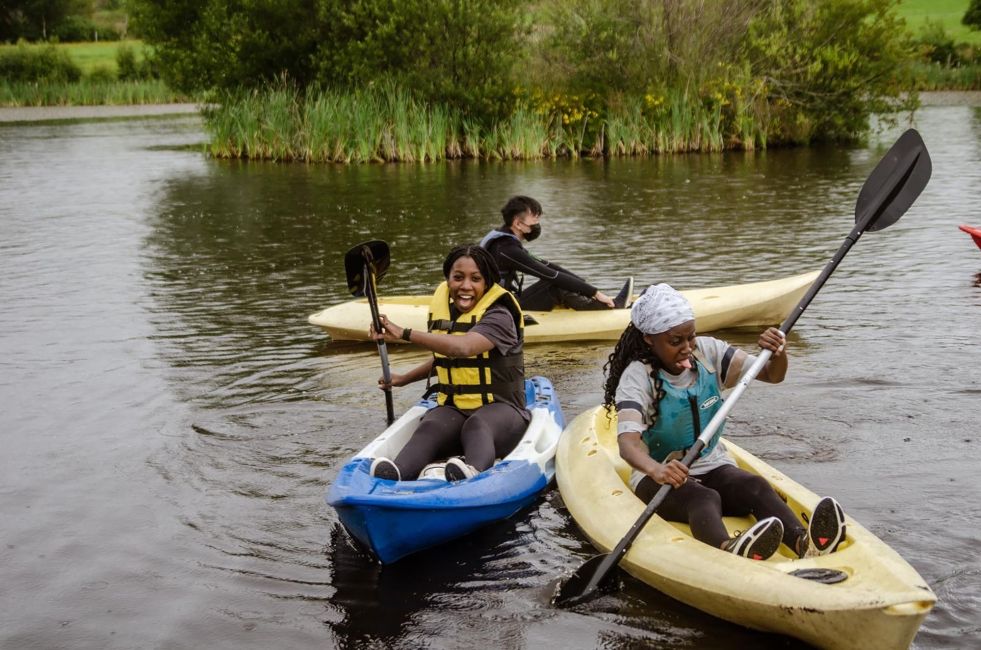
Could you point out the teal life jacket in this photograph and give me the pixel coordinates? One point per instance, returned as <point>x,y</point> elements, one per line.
<point>683,414</point>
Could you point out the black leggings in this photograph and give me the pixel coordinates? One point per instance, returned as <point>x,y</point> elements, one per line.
<point>545,295</point>
<point>490,432</point>
<point>725,491</point>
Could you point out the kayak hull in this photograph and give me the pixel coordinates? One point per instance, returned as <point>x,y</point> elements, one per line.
<point>395,519</point>
<point>880,604</point>
<point>742,305</point>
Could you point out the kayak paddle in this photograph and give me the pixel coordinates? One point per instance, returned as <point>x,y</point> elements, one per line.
<point>887,193</point>
<point>365,265</point>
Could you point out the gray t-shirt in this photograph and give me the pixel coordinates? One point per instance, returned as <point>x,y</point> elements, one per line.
<point>637,386</point>
<point>497,326</point>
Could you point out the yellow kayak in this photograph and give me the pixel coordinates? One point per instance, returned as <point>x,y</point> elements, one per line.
<point>738,305</point>
<point>879,604</point>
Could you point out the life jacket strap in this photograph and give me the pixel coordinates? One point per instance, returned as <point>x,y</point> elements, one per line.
<point>478,362</point>
<point>444,325</point>
<point>468,389</point>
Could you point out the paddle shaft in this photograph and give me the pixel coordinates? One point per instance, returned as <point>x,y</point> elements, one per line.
<point>370,292</point>
<point>883,198</point>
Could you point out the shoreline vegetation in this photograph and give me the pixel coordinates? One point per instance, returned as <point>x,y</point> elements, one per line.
<point>513,80</point>
<point>388,125</point>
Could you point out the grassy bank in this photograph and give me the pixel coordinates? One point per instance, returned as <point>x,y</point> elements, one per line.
<point>951,50</point>
<point>79,74</point>
<point>87,92</point>
<point>91,57</point>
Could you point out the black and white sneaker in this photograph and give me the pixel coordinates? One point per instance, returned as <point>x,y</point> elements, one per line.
<point>383,468</point>
<point>759,542</point>
<point>457,470</point>
<point>623,298</point>
<point>826,528</point>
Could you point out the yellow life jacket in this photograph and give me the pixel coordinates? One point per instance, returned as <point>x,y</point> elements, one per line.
<point>470,382</point>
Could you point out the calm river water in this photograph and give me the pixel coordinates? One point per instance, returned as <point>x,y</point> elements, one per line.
<point>170,421</point>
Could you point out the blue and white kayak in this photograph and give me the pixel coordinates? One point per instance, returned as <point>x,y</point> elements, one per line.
<point>395,518</point>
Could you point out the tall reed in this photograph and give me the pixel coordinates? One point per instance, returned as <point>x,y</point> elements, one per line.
<point>86,92</point>
<point>386,124</point>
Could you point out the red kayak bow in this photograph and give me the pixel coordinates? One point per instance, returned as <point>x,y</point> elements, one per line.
<point>975,233</point>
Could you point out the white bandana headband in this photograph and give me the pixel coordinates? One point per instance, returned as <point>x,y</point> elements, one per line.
<point>659,309</point>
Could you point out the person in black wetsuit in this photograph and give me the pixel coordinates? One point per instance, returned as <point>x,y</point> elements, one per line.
<point>556,286</point>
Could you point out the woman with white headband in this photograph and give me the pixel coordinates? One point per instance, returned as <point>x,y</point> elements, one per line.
<point>666,383</point>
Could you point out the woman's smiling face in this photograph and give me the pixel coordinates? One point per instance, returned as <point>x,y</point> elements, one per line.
<point>466,283</point>
<point>674,347</point>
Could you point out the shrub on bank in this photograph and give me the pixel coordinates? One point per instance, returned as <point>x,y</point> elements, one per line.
<point>26,63</point>
<point>131,68</point>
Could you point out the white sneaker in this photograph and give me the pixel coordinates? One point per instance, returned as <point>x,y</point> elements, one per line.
<point>457,470</point>
<point>434,471</point>
<point>384,468</point>
<point>759,542</point>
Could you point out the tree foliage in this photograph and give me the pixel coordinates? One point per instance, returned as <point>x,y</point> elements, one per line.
<point>631,46</point>
<point>803,68</point>
<point>36,20</point>
<point>224,44</point>
<point>972,17</point>
<point>455,51</point>
<point>460,52</point>
<point>826,65</point>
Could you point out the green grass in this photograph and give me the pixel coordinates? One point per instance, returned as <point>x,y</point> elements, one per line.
<point>94,56</point>
<point>87,93</point>
<point>946,12</point>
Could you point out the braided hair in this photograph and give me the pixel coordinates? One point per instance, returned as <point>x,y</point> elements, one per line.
<point>631,347</point>
<point>481,257</point>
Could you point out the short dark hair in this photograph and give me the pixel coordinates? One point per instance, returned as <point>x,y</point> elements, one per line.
<point>518,205</point>
<point>484,261</point>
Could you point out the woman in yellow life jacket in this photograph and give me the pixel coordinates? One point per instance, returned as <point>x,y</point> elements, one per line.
<point>475,333</point>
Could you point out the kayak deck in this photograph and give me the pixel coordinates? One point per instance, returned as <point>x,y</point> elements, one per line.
<point>741,305</point>
<point>880,604</point>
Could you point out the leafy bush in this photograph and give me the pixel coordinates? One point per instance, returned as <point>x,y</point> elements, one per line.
<point>32,63</point>
<point>131,68</point>
<point>215,44</point>
<point>937,45</point>
<point>101,74</point>
<point>457,52</point>
<point>827,65</point>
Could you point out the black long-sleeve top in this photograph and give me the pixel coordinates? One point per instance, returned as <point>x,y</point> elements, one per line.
<point>512,258</point>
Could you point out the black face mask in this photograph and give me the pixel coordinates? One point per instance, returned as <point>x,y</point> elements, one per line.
<point>536,230</point>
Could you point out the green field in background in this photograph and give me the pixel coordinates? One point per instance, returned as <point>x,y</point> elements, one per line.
<point>91,56</point>
<point>946,12</point>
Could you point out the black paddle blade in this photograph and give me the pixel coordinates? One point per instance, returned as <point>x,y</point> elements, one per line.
<point>576,589</point>
<point>372,253</point>
<point>894,183</point>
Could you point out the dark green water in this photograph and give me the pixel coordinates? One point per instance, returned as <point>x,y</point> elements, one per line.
<point>170,421</point>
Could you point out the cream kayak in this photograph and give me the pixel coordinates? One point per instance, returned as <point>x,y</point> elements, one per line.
<point>879,604</point>
<point>756,303</point>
